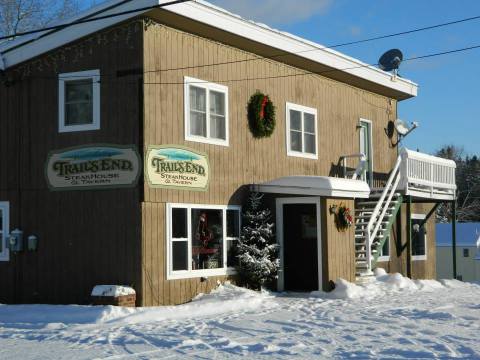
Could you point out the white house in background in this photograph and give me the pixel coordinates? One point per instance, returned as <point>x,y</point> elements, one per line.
<point>467,251</point>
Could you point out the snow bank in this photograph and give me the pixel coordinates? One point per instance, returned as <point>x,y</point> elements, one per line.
<point>225,299</point>
<point>382,284</point>
<point>112,290</point>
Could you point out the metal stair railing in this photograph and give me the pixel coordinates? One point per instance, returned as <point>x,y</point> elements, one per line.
<point>381,209</point>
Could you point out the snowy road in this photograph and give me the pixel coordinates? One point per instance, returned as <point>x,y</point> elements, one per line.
<point>389,318</point>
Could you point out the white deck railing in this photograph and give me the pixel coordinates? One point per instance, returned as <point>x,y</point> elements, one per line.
<point>427,176</point>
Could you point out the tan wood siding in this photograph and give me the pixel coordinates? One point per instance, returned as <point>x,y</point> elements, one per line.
<point>338,246</point>
<point>246,160</point>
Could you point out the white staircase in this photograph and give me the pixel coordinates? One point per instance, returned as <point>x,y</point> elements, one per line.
<point>374,218</point>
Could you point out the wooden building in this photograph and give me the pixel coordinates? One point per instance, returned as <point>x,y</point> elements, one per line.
<point>126,157</point>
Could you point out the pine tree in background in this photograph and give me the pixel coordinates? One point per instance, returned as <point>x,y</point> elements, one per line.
<point>257,250</point>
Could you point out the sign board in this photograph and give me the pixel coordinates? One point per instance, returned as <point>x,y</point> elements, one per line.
<point>93,167</point>
<point>177,167</point>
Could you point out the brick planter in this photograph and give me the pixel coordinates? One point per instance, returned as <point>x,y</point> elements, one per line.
<point>114,295</point>
<point>122,300</point>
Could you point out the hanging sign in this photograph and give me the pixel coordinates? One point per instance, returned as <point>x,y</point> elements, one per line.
<point>93,167</point>
<point>177,167</point>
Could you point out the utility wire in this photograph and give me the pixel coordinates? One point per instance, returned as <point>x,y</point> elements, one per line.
<point>303,73</point>
<point>88,20</point>
<point>257,58</point>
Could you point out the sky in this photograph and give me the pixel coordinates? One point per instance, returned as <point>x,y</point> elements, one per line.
<point>447,104</point>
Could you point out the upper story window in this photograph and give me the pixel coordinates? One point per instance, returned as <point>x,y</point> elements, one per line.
<point>79,101</point>
<point>206,112</point>
<point>302,138</point>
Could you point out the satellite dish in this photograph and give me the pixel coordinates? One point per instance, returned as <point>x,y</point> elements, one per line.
<point>403,129</point>
<point>391,60</point>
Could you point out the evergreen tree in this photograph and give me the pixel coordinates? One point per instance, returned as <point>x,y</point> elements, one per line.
<point>257,250</point>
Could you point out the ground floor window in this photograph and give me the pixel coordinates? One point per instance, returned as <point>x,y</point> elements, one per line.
<point>202,239</point>
<point>419,237</point>
<point>385,250</point>
<point>4,229</point>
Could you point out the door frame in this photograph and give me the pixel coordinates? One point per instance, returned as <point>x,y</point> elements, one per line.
<point>279,202</point>
<point>361,124</point>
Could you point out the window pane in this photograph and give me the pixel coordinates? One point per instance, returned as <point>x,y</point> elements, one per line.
<point>232,259</point>
<point>79,90</point>
<point>310,144</point>
<point>179,224</point>
<point>198,99</point>
<point>309,123</point>
<point>466,252</point>
<point>207,239</point>
<point>386,248</point>
<point>179,255</point>
<point>1,220</point>
<point>78,113</point>
<point>295,120</point>
<point>418,238</point>
<point>233,224</point>
<point>217,127</point>
<point>198,124</point>
<point>217,103</point>
<point>295,141</point>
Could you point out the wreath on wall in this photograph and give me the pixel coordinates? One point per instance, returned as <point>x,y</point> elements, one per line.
<point>261,115</point>
<point>343,217</point>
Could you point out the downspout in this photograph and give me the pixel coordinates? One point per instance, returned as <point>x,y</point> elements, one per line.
<point>2,63</point>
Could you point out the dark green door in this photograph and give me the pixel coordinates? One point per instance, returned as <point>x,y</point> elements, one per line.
<point>300,247</point>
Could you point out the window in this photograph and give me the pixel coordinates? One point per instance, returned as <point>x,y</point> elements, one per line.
<point>4,230</point>
<point>466,253</point>
<point>301,131</point>
<point>202,239</point>
<point>206,112</point>
<point>419,238</point>
<point>79,101</point>
<point>385,251</point>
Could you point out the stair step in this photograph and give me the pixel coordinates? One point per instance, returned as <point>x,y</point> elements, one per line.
<point>366,223</point>
<point>370,216</point>
<point>372,203</point>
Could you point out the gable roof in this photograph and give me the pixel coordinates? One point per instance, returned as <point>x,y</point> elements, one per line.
<point>30,46</point>
<point>468,234</point>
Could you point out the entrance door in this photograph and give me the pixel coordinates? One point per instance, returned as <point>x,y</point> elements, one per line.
<point>300,252</point>
<point>366,148</point>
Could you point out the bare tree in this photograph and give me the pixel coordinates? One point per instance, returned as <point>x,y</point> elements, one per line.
<point>22,15</point>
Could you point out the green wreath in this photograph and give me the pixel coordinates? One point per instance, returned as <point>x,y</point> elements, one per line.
<point>261,115</point>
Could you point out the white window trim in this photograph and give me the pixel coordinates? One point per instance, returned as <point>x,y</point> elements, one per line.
<point>207,86</point>
<point>370,169</point>
<point>386,258</point>
<point>5,207</point>
<point>302,109</point>
<point>420,257</point>
<point>190,274</point>
<point>94,75</point>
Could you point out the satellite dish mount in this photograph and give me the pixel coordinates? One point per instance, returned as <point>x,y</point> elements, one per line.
<point>403,129</point>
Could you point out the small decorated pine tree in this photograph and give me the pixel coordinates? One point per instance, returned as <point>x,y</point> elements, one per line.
<point>257,250</point>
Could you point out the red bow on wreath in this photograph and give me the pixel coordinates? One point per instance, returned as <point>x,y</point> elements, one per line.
<point>262,109</point>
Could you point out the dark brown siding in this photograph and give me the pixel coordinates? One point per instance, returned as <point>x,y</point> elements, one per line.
<point>85,237</point>
<point>246,160</point>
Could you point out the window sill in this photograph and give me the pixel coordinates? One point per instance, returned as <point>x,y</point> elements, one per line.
<point>207,141</point>
<point>200,273</point>
<point>419,258</point>
<point>383,259</point>
<point>302,155</point>
<point>78,128</point>
<point>4,257</point>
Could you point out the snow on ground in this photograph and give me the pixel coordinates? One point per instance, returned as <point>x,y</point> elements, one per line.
<point>389,317</point>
